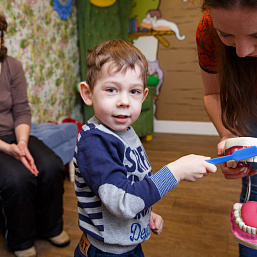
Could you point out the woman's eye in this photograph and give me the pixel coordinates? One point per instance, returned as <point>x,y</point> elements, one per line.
<point>223,34</point>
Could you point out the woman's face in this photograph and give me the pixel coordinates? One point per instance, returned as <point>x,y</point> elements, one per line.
<point>237,28</point>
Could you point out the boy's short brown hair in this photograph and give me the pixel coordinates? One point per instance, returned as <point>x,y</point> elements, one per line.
<point>121,53</point>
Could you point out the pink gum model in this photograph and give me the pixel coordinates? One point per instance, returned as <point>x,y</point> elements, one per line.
<point>243,216</point>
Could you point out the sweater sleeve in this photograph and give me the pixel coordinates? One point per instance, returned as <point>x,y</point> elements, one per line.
<point>20,108</point>
<point>100,162</point>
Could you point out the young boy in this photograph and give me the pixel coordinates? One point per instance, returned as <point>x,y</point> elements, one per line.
<point>114,185</point>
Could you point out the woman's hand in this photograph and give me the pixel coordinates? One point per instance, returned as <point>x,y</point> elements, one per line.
<point>241,170</point>
<point>21,153</point>
<point>13,150</point>
<point>221,144</point>
<point>26,158</point>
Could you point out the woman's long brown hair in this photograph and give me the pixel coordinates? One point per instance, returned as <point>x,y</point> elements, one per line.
<point>238,91</point>
<point>238,78</point>
<point>3,27</point>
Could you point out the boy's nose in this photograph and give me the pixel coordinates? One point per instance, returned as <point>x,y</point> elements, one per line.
<point>123,100</point>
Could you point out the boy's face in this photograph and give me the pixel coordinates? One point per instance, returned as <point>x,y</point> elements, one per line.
<point>117,97</point>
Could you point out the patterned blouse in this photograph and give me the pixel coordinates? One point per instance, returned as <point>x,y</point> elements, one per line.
<point>206,39</point>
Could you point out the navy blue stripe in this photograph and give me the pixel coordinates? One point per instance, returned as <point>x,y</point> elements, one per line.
<point>85,219</point>
<point>85,194</point>
<point>78,173</point>
<point>80,185</point>
<point>89,221</point>
<point>89,205</point>
<point>95,216</point>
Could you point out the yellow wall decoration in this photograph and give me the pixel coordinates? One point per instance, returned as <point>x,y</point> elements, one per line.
<point>103,3</point>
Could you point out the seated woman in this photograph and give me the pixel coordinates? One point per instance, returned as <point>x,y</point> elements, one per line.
<point>31,174</point>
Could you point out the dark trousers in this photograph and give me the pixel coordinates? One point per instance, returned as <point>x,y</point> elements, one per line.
<point>31,206</point>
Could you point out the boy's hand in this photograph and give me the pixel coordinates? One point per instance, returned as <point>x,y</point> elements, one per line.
<point>191,167</point>
<point>156,223</point>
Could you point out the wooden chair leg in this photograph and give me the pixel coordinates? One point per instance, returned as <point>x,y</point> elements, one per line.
<point>71,171</point>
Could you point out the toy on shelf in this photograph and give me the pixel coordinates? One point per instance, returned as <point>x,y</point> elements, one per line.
<point>243,216</point>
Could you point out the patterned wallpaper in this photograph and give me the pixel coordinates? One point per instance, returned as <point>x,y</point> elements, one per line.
<point>47,47</point>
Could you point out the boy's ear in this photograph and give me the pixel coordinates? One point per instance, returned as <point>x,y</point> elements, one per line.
<point>145,93</point>
<point>85,93</point>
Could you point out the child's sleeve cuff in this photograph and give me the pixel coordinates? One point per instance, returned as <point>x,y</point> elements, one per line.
<point>164,180</point>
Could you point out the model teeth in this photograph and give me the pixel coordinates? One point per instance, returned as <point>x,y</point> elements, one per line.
<point>244,142</point>
<point>232,164</point>
<point>239,221</point>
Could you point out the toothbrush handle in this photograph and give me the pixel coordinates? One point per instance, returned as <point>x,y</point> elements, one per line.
<point>219,160</point>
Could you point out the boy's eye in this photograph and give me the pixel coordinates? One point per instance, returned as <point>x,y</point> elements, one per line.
<point>135,92</point>
<point>111,90</point>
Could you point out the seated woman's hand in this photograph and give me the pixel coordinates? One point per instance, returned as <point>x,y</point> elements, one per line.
<point>14,151</point>
<point>27,159</point>
<point>21,153</point>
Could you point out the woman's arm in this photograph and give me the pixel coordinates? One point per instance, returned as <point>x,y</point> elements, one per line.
<point>213,108</point>
<point>13,149</point>
<point>22,133</point>
<point>212,102</point>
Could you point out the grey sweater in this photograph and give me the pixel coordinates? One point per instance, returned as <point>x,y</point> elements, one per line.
<point>14,106</point>
<point>115,187</point>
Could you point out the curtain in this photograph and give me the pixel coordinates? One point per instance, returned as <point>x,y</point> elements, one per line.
<point>97,24</point>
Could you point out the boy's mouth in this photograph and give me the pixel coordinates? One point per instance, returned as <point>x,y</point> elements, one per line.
<point>121,118</point>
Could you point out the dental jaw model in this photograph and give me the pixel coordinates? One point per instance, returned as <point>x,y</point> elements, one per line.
<point>243,216</point>
<point>238,143</point>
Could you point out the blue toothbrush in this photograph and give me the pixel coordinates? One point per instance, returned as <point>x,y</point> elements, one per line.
<point>238,155</point>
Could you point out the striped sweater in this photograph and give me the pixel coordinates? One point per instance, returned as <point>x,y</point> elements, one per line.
<point>115,187</point>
